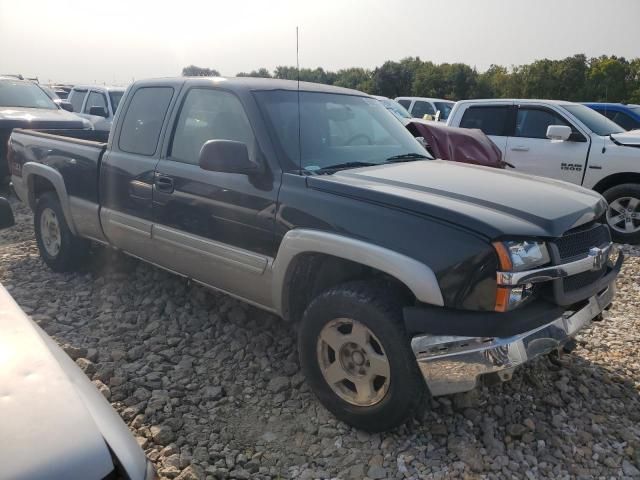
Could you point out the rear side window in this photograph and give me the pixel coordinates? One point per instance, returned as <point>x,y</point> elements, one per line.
<point>95,100</point>
<point>420,109</point>
<point>491,120</point>
<point>76,98</point>
<point>533,122</point>
<point>142,122</point>
<point>404,103</point>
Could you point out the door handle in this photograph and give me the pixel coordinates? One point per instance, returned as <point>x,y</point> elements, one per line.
<point>520,148</point>
<point>164,184</point>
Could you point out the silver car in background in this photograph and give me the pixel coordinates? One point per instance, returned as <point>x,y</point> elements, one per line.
<point>96,103</point>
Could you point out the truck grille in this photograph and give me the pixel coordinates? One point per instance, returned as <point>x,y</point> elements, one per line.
<point>576,243</point>
<point>581,280</point>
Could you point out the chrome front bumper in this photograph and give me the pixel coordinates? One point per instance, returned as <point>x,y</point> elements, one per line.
<point>456,364</point>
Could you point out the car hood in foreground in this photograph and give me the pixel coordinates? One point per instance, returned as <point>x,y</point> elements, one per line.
<point>629,139</point>
<point>495,203</point>
<point>39,118</point>
<point>55,423</point>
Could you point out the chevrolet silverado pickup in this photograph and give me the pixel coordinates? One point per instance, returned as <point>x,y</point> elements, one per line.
<point>408,276</point>
<point>567,141</point>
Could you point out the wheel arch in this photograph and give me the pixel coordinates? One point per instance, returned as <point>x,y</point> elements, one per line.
<point>39,179</point>
<point>615,180</point>
<point>314,255</point>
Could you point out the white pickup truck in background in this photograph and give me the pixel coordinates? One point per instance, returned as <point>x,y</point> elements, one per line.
<point>566,141</point>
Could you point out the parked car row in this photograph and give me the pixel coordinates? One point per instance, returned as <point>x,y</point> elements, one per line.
<point>408,276</point>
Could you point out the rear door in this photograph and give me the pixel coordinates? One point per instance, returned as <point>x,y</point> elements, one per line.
<point>496,121</point>
<point>530,151</point>
<point>127,170</point>
<point>215,227</point>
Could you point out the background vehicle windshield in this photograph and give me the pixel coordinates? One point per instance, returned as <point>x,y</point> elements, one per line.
<point>334,129</point>
<point>115,99</point>
<point>395,108</point>
<point>600,124</point>
<point>24,94</point>
<point>445,109</point>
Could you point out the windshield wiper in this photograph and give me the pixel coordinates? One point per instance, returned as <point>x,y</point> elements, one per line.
<point>406,157</point>
<point>343,166</point>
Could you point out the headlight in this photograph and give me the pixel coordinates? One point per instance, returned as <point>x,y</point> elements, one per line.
<point>516,256</point>
<point>519,255</point>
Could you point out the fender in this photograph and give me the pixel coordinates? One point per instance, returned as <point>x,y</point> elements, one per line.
<point>33,169</point>
<point>418,277</point>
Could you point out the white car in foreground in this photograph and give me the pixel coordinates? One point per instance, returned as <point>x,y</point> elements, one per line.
<point>565,141</point>
<point>55,424</point>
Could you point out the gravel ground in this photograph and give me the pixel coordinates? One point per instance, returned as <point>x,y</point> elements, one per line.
<point>212,389</point>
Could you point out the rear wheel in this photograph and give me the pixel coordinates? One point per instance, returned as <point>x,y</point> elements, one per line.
<point>60,249</point>
<point>623,212</point>
<point>357,358</point>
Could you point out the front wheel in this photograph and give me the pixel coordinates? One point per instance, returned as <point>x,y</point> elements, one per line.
<point>60,249</point>
<point>357,358</point>
<point>623,212</point>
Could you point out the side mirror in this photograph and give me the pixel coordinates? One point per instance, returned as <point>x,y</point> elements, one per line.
<point>558,132</point>
<point>226,156</point>
<point>98,111</point>
<point>66,105</point>
<point>6,214</point>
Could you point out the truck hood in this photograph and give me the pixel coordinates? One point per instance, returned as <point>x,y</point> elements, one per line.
<point>494,203</point>
<point>39,118</point>
<point>55,423</point>
<point>628,139</point>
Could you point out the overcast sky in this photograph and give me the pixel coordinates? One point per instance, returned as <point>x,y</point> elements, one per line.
<point>115,41</point>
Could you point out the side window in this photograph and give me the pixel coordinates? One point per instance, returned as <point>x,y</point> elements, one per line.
<point>95,99</point>
<point>208,114</point>
<point>491,120</point>
<point>610,114</point>
<point>533,122</point>
<point>404,103</point>
<point>625,121</point>
<point>142,122</point>
<point>76,98</point>
<point>420,109</point>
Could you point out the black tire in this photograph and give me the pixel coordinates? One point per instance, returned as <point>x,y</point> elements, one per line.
<point>379,308</point>
<point>73,250</point>
<point>624,191</point>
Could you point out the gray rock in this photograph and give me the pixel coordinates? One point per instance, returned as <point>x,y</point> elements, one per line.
<point>278,384</point>
<point>162,434</point>
<point>377,472</point>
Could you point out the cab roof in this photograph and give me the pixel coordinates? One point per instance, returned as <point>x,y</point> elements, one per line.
<point>250,84</point>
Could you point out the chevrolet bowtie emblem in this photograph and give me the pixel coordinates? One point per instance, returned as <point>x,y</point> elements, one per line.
<point>599,256</point>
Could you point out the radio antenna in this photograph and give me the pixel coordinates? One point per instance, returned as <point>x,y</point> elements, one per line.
<point>299,116</point>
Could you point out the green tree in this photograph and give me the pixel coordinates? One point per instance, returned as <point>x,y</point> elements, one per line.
<point>607,79</point>
<point>356,78</point>
<point>195,71</point>
<point>260,73</point>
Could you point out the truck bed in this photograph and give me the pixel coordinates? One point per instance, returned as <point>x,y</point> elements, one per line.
<point>76,154</point>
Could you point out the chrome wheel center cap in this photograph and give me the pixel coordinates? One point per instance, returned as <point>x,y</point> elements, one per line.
<point>358,358</point>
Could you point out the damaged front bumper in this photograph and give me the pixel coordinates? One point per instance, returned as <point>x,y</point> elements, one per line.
<point>453,364</point>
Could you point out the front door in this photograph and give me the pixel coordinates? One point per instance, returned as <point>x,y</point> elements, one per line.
<point>215,227</point>
<point>530,151</point>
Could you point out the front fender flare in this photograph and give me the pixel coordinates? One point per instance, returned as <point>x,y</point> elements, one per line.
<point>417,276</point>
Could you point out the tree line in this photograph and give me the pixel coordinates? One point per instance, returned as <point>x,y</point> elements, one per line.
<point>577,78</point>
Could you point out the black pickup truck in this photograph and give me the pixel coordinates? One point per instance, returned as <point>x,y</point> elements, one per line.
<point>408,276</point>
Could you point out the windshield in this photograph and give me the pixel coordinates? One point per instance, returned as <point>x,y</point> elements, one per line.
<point>115,100</point>
<point>335,130</point>
<point>24,94</point>
<point>596,122</point>
<point>445,109</point>
<point>394,107</point>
